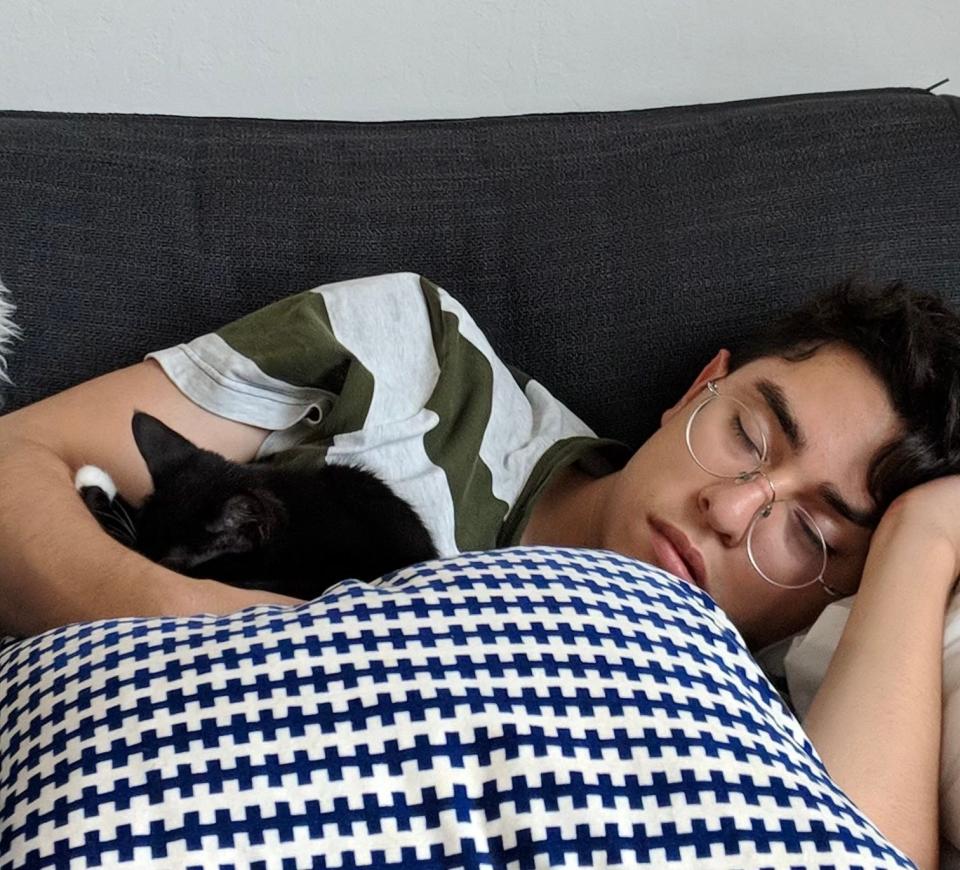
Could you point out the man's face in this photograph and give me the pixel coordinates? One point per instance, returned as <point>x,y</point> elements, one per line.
<point>844,415</point>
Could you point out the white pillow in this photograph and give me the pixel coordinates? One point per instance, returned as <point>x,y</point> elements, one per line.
<point>806,663</point>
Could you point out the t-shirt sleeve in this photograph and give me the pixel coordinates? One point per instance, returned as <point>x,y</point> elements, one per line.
<point>334,354</point>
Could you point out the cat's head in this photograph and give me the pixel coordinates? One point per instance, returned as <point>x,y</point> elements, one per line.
<point>203,506</point>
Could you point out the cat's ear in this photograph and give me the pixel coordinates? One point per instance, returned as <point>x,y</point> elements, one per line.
<point>248,520</point>
<point>161,448</point>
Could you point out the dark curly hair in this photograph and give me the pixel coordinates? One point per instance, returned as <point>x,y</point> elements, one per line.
<point>911,341</point>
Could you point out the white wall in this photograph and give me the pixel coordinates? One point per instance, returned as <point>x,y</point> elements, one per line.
<point>394,59</point>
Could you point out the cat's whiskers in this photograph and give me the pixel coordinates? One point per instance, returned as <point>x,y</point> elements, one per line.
<point>129,522</point>
<point>114,522</point>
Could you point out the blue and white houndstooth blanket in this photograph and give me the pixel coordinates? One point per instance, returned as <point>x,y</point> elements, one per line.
<point>527,707</point>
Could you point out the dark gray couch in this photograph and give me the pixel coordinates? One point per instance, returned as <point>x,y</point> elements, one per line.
<point>609,254</point>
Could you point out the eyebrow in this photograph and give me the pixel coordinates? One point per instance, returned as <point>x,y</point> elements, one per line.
<point>777,402</point>
<point>866,519</point>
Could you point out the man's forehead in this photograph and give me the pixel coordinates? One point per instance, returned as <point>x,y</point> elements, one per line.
<point>834,380</point>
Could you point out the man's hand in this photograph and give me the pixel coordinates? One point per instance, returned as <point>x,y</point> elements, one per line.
<point>926,520</point>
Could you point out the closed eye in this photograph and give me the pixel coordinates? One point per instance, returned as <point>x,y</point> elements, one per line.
<point>814,538</point>
<point>745,439</point>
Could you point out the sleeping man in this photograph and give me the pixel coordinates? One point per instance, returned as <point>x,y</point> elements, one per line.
<point>817,463</point>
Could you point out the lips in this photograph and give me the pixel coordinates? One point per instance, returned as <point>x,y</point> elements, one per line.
<point>676,554</point>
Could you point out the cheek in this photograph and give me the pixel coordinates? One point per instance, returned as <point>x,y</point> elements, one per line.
<point>765,615</point>
<point>844,572</point>
<point>642,488</point>
<point>661,466</point>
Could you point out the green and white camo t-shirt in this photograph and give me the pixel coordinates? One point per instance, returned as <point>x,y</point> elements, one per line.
<point>392,374</point>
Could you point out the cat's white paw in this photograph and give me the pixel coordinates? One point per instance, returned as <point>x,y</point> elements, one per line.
<point>91,475</point>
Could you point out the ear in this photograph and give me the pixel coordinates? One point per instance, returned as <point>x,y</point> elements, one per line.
<point>714,370</point>
<point>161,448</point>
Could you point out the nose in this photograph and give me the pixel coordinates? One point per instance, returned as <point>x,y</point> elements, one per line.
<point>730,506</point>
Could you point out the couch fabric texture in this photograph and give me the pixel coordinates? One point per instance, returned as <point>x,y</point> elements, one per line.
<point>607,254</point>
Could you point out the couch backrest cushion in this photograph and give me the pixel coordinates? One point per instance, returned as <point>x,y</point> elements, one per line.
<point>608,254</point>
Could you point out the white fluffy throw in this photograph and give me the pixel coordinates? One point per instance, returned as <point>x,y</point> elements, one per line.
<point>8,330</point>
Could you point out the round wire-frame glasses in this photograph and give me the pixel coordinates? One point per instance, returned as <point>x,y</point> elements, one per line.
<point>762,513</point>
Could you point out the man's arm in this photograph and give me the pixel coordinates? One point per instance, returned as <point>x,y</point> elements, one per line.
<point>56,564</point>
<point>876,719</point>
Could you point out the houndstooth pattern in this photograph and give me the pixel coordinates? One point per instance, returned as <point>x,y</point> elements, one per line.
<point>526,707</point>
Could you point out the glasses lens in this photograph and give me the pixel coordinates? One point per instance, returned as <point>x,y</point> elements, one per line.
<point>786,546</point>
<point>784,543</point>
<point>725,437</point>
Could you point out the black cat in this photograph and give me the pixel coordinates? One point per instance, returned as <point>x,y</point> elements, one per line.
<point>257,525</point>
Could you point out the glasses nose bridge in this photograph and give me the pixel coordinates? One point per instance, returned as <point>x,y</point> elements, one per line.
<point>756,474</point>
<point>748,497</point>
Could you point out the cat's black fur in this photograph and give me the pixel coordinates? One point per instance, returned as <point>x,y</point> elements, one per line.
<point>294,531</point>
